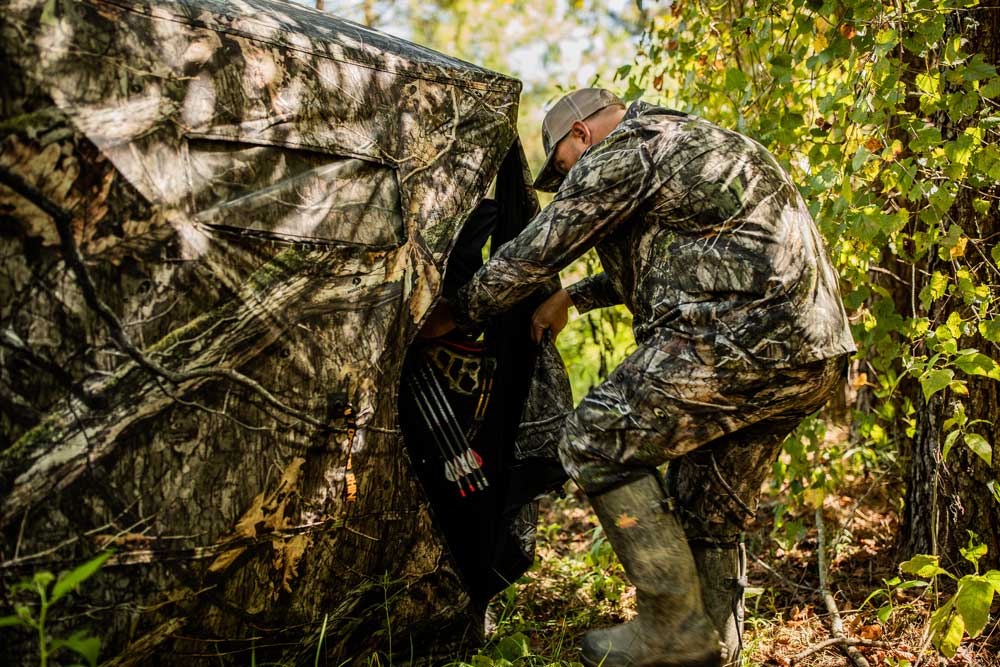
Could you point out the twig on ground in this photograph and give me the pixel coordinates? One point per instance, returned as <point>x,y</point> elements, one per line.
<point>777,574</point>
<point>925,642</point>
<point>838,641</point>
<point>836,622</point>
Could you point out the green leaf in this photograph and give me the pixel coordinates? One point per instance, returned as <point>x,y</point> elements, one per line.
<point>928,83</point>
<point>6,621</point>
<point>949,440</point>
<point>973,602</point>
<point>82,644</point>
<point>980,446</point>
<point>634,91</point>
<point>884,612</point>
<point>961,105</point>
<point>991,88</point>
<point>975,363</point>
<point>974,552</point>
<point>994,488</point>
<point>922,565</point>
<point>926,137</point>
<point>76,576</point>
<point>912,583</point>
<point>878,592</point>
<point>987,161</point>
<point>990,330</point>
<point>934,290</point>
<point>935,381</point>
<point>43,578</point>
<point>950,635</point>
<point>854,300</point>
<point>860,157</point>
<point>512,647</point>
<point>736,80</point>
<point>781,67</point>
<point>993,577</point>
<point>978,68</point>
<point>319,644</point>
<point>954,323</point>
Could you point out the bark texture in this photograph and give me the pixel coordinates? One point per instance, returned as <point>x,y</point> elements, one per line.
<point>947,498</point>
<point>222,225</point>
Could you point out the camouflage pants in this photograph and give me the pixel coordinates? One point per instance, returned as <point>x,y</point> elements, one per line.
<point>719,426</point>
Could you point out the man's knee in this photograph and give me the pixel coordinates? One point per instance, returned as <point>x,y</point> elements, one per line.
<point>589,459</point>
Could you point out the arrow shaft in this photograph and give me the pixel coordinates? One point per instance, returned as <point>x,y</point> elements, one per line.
<point>437,393</point>
<point>431,421</point>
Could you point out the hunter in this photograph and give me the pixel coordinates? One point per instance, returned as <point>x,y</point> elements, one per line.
<point>741,333</point>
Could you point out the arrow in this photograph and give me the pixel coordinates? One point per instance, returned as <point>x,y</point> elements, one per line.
<point>439,397</point>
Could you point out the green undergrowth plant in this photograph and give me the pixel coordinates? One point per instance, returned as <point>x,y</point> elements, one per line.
<point>576,583</point>
<point>605,576</point>
<point>886,596</point>
<point>47,590</point>
<point>510,650</point>
<point>966,613</point>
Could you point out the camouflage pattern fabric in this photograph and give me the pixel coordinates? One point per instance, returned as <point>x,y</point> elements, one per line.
<point>717,487</point>
<point>657,406</point>
<point>701,234</point>
<point>707,241</point>
<point>257,201</point>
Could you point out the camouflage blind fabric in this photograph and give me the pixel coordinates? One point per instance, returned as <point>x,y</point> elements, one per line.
<point>223,223</point>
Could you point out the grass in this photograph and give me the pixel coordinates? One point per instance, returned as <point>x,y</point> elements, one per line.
<point>577,583</point>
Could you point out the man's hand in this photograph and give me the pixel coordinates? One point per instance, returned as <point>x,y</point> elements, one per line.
<point>439,323</point>
<point>552,316</point>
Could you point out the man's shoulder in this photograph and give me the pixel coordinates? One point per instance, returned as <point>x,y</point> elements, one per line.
<point>648,122</point>
<point>641,113</point>
<point>658,129</point>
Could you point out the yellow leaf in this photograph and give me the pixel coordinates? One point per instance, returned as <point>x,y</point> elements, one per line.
<point>814,497</point>
<point>959,248</point>
<point>626,521</point>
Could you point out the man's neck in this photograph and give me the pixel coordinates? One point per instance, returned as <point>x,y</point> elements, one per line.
<point>605,123</point>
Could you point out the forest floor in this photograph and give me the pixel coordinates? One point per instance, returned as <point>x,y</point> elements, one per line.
<point>577,584</point>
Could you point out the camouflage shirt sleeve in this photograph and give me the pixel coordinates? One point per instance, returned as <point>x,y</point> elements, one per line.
<point>607,185</point>
<point>592,292</point>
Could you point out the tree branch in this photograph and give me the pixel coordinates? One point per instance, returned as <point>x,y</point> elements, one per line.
<point>74,260</point>
<point>836,623</point>
<point>838,641</point>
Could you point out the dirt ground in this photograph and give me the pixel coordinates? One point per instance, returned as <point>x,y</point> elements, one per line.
<point>577,584</point>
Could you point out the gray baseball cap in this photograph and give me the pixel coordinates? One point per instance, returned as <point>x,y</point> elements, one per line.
<point>572,107</point>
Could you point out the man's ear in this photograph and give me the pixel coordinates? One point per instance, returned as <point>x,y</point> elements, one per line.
<point>580,131</point>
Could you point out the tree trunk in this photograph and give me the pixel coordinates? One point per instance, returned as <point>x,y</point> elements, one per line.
<point>949,498</point>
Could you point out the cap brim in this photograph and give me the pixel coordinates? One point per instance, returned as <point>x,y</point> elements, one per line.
<point>549,179</point>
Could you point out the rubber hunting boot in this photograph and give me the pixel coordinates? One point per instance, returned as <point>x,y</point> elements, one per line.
<point>671,629</point>
<point>722,574</point>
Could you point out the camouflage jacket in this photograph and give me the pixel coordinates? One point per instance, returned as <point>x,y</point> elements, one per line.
<point>702,235</point>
